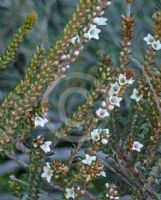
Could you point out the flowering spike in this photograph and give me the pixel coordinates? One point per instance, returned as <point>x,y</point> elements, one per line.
<point>10,53</point>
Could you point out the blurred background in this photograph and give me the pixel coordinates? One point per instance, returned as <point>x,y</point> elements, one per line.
<point>52,17</point>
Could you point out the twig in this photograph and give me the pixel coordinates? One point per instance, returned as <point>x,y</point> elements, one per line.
<point>13,178</point>
<point>11,165</point>
<point>155,97</point>
<point>89,195</point>
<point>128,9</point>
<point>15,158</point>
<point>60,189</point>
<point>117,173</point>
<point>50,88</point>
<point>60,154</point>
<point>20,146</point>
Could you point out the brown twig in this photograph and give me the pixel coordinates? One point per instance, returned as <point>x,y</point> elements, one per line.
<point>15,158</point>
<point>128,9</point>
<point>117,173</point>
<point>50,88</point>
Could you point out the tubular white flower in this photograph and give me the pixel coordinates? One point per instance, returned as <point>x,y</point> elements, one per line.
<point>135,95</point>
<point>70,193</point>
<point>122,79</point>
<point>114,100</point>
<point>95,134</point>
<point>149,39</point>
<point>102,113</point>
<point>89,159</point>
<point>46,146</point>
<point>39,121</point>
<point>93,32</point>
<point>137,146</point>
<point>115,88</point>
<point>156,45</point>
<point>47,172</point>
<point>100,21</point>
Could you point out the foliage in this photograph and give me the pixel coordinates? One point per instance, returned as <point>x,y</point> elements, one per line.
<point>110,134</point>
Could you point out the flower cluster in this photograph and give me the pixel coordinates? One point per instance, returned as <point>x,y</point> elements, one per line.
<point>92,167</point>
<point>72,193</point>
<point>93,31</point>
<point>40,143</point>
<point>90,31</point>
<point>113,97</point>
<point>112,192</point>
<point>56,169</point>
<point>100,135</point>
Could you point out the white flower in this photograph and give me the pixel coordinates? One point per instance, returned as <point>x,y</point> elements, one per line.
<point>104,141</point>
<point>46,146</point>
<point>74,39</point>
<point>114,100</point>
<point>137,146</point>
<point>39,121</point>
<point>102,113</point>
<point>70,193</point>
<point>135,95</point>
<point>95,134</point>
<point>115,88</point>
<point>156,45</point>
<point>103,173</point>
<point>122,79</point>
<point>100,21</point>
<point>93,32</point>
<point>89,159</point>
<point>47,172</point>
<point>149,39</point>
